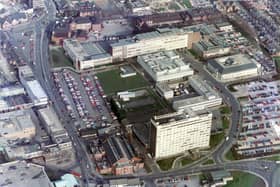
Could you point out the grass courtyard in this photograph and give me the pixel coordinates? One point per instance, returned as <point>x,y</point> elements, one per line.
<point>112,82</point>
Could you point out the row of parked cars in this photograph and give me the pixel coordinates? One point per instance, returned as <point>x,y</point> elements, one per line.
<point>63,95</point>
<point>78,99</point>
<point>265,27</point>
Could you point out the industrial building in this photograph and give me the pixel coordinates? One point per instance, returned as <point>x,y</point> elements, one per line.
<point>206,97</point>
<point>87,54</point>
<point>116,156</point>
<point>18,124</point>
<point>174,133</point>
<point>210,48</point>
<point>165,66</point>
<point>32,86</point>
<point>53,126</point>
<point>235,67</point>
<point>139,7</point>
<point>23,174</point>
<point>159,40</point>
<point>164,90</point>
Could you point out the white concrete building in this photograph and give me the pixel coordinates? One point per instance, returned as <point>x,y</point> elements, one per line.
<point>32,86</point>
<point>201,3</point>
<point>145,43</point>
<point>87,54</point>
<point>53,126</point>
<point>235,67</point>
<point>23,174</point>
<point>139,7</point>
<point>17,125</point>
<point>164,90</point>
<point>11,91</point>
<point>207,97</point>
<point>165,66</point>
<point>38,4</point>
<point>175,133</point>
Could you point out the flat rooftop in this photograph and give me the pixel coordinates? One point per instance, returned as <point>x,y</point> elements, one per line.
<point>16,121</point>
<point>22,174</point>
<point>160,32</point>
<point>86,50</point>
<point>36,89</point>
<point>25,71</point>
<point>188,114</point>
<point>234,63</point>
<point>51,119</point>
<point>164,61</point>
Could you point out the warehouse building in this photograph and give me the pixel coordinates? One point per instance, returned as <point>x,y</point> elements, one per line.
<point>235,67</point>
<point>151,42</point>
<point>174,133</point>
<point>54,127</point>
<point>165,66</point>
<point>17,125</point>
<point>23,174</point>
<point>87,54</point>
<point>32,86</point>
<point>210,48</point>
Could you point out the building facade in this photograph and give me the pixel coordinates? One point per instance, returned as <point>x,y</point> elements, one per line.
<point>235,67</point>
<point>86,55</point>
<point>175,133</point>
<point>159,40</point>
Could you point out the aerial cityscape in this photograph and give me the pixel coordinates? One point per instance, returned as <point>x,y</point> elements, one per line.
<point>139,93</point>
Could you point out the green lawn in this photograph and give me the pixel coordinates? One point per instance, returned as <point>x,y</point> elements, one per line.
<point>272,158</point>
<point>187,3</point>
<point>186,161</point>
<point>166,164</point>
<point>277,63</point>
<point>59,59</point>
<point>229,155</point>
<point>225,110</point>
<point>112,82</point>
<point>209,161</point>
<point>215,139</point>
<point>225,122</point>
<point>241,179</point>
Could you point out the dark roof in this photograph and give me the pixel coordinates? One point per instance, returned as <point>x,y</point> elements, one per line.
<point>163,17</point>
<point>117,148</point>
<point>81,34</point>
<point>81,20</point>
<point>196,12</point>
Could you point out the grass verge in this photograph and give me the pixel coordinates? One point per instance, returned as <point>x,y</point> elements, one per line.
<point>215,139</point>
<point>59,59</point>
<point>241,179</point>
<point>209,161</point>
<point>166,164</point>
